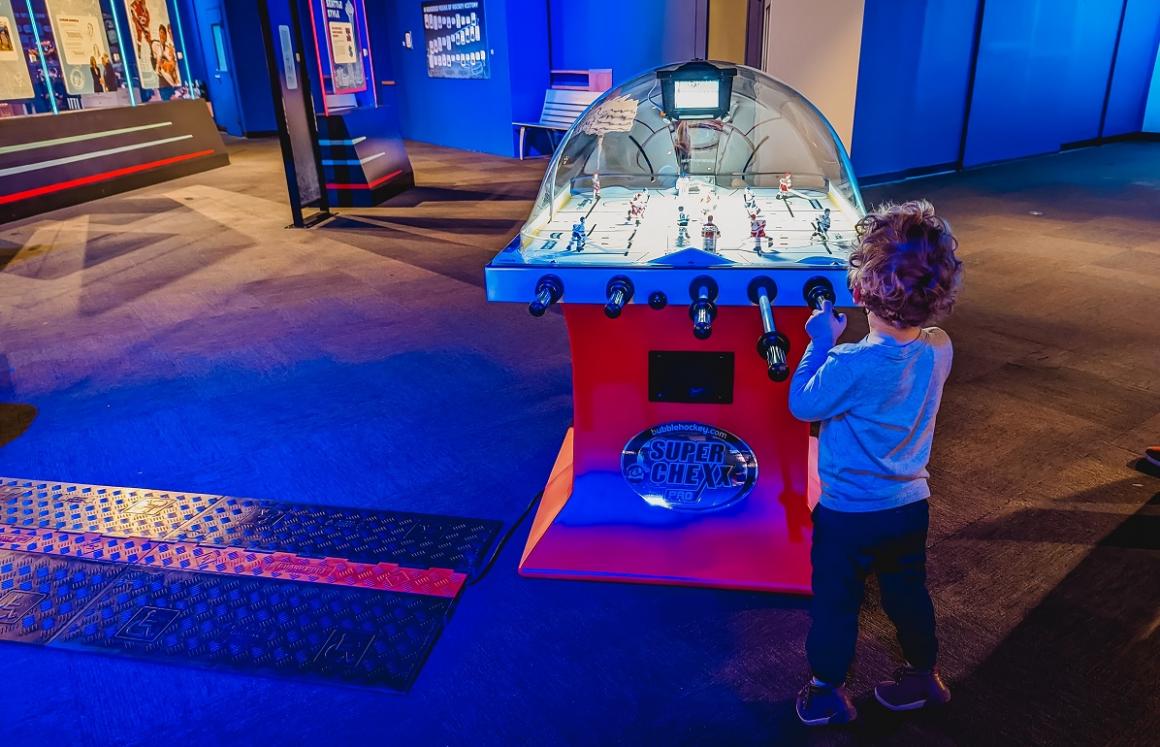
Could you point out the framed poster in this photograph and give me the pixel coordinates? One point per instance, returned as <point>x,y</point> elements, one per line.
<point>151,38</point>
<point>79,28</point>
<point>15,82</point>
<point>456,42</point>
<point>341,31</point>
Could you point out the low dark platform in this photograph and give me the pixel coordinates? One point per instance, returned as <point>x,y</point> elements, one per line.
<point>313,592</point>
<point>52,161</point>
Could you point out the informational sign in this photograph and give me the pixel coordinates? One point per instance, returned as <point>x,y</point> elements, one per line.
<point>689,467</point>
<point>456,42</point>
<point>15,82</point>
<point>289,71</point>
<point>151,37</point>
<point>342,43</point>
<point>79,29</point>
<point>614,115</point>
<point>342,38</point>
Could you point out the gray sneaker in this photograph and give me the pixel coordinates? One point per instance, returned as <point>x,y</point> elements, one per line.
<point>818,706</point>
<point>912,689</point>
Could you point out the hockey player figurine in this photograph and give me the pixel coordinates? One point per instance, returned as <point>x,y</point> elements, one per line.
<point>822,225</point>
<point>636,207</point>
<point>709,234</point>
<point>784,185</point>
<point>756,229</point>
<point>596,186</point>
<point>579,235</point>
<point>750,200</point>
<point>682,226</point>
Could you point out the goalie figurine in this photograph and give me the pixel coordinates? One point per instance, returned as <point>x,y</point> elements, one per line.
<point>682,226</point>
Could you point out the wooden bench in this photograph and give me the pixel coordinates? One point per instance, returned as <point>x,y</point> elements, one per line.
<point>561,109</point>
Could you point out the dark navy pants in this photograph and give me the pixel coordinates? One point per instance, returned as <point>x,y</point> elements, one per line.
<point>848,547</point>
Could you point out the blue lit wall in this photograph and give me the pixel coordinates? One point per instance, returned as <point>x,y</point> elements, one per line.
<point>629,36</point>
<point>1134,62</point>
<point>1152,112</point>
<point>250,68</point>
<point>249,95</point>
<point>912,84</point>
<point>472,114</point>
<point>1041,77</point>
<point>193,51</point>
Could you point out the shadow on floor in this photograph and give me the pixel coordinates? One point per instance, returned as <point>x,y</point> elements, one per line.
<point>14,421</point>
<point>462,262</point>
<point>1095,634</point>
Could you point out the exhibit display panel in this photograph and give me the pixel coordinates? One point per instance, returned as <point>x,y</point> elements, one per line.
<point>343,54</point>
<point>360,149</point>
<point>456,39</point>
<point>64,55</point>
<point>96,99</point>
<point>15,80</point>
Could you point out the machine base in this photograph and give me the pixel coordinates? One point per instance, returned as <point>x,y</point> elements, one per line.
<point>593,532</point>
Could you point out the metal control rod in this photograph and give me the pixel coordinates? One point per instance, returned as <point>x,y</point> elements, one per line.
<point>703,291</point>
<point>772,345</point>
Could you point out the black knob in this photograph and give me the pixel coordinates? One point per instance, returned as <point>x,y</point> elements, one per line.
<point>816,289</point>
<point>548,291</point>
<point>619,292</point>
<point>703,291</point>
<point>775,348</point>
<point>761,284</point>
<point>658,300</point>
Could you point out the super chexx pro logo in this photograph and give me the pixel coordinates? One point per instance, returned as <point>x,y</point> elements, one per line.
<point>689,466</point>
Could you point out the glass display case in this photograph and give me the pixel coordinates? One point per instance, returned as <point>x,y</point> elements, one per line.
<point>769,163</point>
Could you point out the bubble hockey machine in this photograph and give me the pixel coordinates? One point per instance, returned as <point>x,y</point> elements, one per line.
<point>688,224</point>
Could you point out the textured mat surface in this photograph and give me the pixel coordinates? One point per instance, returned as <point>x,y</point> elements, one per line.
<point>320,593</point>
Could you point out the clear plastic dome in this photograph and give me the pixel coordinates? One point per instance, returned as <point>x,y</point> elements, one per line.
<point>625,143</point>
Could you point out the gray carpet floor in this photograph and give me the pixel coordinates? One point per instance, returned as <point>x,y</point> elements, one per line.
<point>179,337</point>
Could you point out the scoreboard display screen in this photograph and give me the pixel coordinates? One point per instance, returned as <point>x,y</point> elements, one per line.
<point>696,94</point>
<point>696,90</point>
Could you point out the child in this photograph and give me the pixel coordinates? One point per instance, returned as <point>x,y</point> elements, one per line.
<point>877,400</point>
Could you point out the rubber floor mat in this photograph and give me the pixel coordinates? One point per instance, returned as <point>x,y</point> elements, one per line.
<point>351,596</point>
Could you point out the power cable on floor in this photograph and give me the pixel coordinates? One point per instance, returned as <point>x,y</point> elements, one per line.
<point>472,581</point>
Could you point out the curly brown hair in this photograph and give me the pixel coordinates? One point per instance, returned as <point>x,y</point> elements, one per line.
<point>905,267</point>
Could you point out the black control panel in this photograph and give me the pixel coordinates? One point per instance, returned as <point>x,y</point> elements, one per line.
<point>690,377</point>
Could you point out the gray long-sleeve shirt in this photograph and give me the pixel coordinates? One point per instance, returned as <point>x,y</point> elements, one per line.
<point>877,400</point>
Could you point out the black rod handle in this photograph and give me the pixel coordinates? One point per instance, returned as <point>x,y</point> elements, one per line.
<point>549,289</point>
<point>619,292</point>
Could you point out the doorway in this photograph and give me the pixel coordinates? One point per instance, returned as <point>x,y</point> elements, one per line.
<point>221,82</point>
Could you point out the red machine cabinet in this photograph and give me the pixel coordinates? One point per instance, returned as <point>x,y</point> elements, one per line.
<point>592,525</point>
